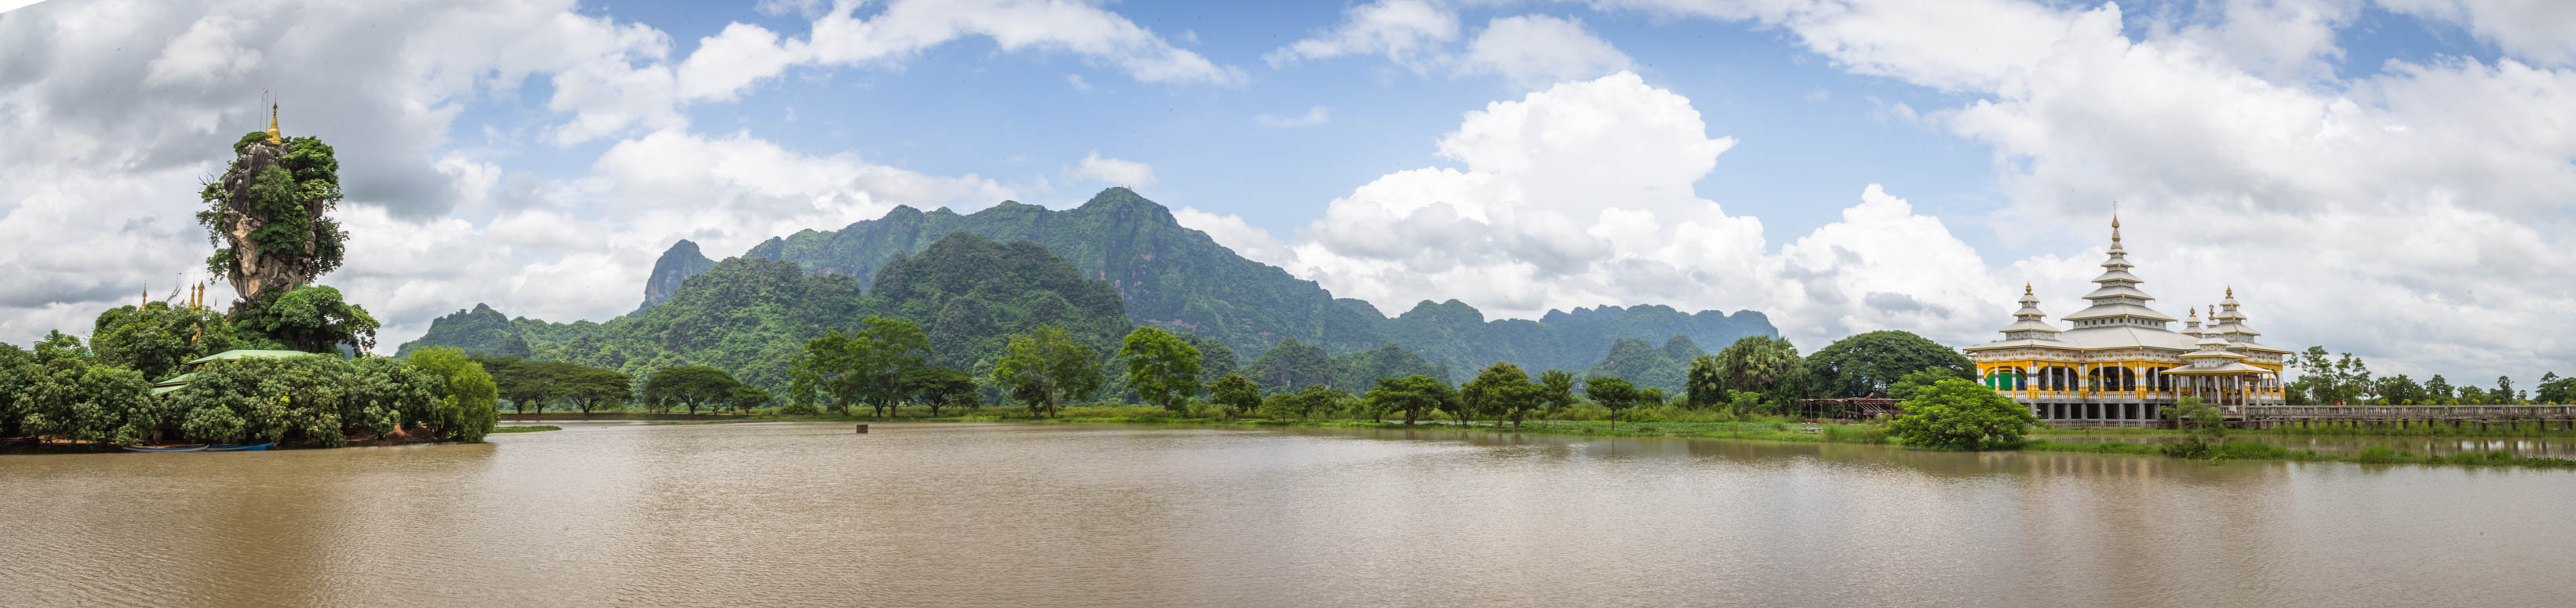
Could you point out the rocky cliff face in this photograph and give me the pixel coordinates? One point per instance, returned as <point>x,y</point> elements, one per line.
<point>253,267</point>
<point>676,265</point>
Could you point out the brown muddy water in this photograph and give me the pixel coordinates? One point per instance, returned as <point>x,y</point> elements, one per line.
<point>810,514</point>
<point>2347,445</point>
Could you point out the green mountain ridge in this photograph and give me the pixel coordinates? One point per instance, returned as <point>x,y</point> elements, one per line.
<point>1164,275</point>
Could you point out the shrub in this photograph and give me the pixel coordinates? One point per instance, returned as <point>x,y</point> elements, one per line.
<point>1961,414</point>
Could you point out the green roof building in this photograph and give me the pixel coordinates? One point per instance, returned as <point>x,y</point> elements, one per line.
<point>181,381</point>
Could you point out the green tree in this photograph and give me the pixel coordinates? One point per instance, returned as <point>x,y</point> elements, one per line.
<point>1863,364</point>
<point>311,318</point>
<point>1307,402</point>
<point>1236,393</point>
<point>1160,366</point>
<point>1768,365</point>
<point>2555,390</point>
<point>469,399</point>
<point>1558,388</point>
<point>2437,389</point>
<point>882,352</point>
<point>692,386</point>
<point>1503,391</point>
<point>2203,427</point>
<point>66,395</point>
<point>16,368</point>
<point>1413,395</point>
<point>1912,384</point>
<point>1706,383</point>
<point>830,363</point>
<point>2503,393</point>
<point>1616,394</point>
<point>940,387</point>
<point>1961,414</point>
<point>156,337</point>
<point>744,397</point>
<point>594,390</point>
<point>1047,367</point>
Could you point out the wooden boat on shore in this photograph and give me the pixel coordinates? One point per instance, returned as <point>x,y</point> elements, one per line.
<point>166,448</point>
<point>241,448</point>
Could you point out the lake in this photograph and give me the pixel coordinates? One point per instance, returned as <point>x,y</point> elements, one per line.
<point>954,514</point>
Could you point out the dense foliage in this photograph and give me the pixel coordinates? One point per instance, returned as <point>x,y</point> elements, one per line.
<point>267,215</point>
<point>1413,396</point>
<point>1047,367</point>
<point>1767,366</point>
<point>1860,365</point>
<point>1961,414</point>
<point>1502,391</point>
<point>311,318</point>
<point>156,337</point>
<point>1160,366</point>
<point>468,404</point>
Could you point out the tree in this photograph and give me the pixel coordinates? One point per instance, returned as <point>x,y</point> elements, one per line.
<point>156,337</point>
<point>2555,390</point>
<point>267,215</point>
<point>2437,390</point>
<point>1236,393</point>
<point>1046,367</point>
<point>2400,390</point>
<point>1863,364</point>
<point>1413,395</point>
<point>1615,394</point>
<point>2206,427</point>
<point>1961,414</point>
<point>829,363</point>
<point>1557,388</point>
<point>1504,391</point>
<point>311,318</point>
<point>881,353</point>
<point>1912,384</point>
<point>1306,402</point>
<point>744,397</point>
<point>1763,364</point>
<point>65,394</point>
<point>468,402</point>
<point>940,387</point>
<point>1705,384</point>
<point>2503,393</point>
<point>1160,366</point>
<point>693,386</point>
<point>592,389</point>
<point>1364,368</point>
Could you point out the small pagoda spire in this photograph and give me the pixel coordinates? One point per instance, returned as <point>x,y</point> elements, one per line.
<point>274,139</point>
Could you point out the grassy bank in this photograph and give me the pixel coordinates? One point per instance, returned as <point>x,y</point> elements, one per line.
<point>533,428</point>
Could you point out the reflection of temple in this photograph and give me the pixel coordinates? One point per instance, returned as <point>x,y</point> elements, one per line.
<point>2118,364</point>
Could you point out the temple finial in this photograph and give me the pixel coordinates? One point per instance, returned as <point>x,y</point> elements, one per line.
<point>2231,291</point>
<point>2025,289</point>
<point>272,125</point>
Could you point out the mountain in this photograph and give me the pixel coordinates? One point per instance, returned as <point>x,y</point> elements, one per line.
<point>752,316</point>
<point>1177,278</point>
<point>677,264</point>
<point>480,331</point>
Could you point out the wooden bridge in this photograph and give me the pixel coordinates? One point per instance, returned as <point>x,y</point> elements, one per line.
<point>2269,416</point>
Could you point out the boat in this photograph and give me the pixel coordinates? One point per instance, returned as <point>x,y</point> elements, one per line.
<point>166,448</point>
<point>241,448</point>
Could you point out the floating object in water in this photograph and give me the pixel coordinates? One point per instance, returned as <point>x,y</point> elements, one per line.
<point>241,448</point>
<point>166,448</point>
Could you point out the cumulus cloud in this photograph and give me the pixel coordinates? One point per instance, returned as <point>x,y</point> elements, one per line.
<point>1115,171</point>
<point>1407,32</point>
<point>1533,50</point>
<point>99,214</point>
<point>1314,116</point>
<point>1582,194</point>
<point>2427,202</point>
<point>1527,50</point>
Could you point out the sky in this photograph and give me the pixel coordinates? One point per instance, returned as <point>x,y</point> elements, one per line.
<point>2390,178</point>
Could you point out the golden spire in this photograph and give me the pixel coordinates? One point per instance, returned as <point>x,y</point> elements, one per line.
<point>272,126</point>
<point>2025,289</point>
<point>2231,291</point>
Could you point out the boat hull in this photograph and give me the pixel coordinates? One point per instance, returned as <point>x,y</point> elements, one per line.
<point>241,448</point>
<point>175,448</point>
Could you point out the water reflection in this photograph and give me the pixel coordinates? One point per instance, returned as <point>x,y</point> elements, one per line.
<point>1014,515</point>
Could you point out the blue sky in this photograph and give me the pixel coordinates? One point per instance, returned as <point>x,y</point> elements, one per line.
<point>1842,165</point>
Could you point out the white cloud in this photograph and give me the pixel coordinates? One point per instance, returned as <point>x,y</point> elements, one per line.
<point>1077,82</point>
<point>1581,195</point>
<point>2428,203</point>
<point>1534,50</point>
<point>1127,173</point>
<point>1407,32</point>
<point>2537,30</point>
<point>1314,116</point>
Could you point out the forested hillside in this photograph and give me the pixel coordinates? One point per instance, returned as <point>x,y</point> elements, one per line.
<point>1177,278</point>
